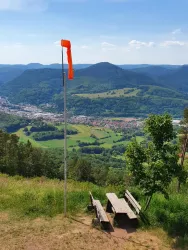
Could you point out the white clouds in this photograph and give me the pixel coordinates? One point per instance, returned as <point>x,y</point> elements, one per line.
<point>22,53</point>
<point>116,51</point>
<point>169,43</point>
<point>172,43</point>
<point>138,44</point>
<point>107,46</point>
<point>176,32</point>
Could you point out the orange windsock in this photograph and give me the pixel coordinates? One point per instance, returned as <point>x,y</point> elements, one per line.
<point>67,44</point>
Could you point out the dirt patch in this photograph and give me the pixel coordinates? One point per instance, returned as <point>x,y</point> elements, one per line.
<point>68,234</point>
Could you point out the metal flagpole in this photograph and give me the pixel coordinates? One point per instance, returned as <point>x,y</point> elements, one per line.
<point>65,137</point>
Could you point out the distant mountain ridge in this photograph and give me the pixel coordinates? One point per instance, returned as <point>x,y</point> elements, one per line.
<point>8,74</point>
<point>42,84</point>
<point>41,66</point>
<point>155,71</point>
<point>151,88</point>
<point>177,80</point>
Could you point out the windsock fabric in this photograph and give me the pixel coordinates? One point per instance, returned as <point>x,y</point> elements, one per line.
<point>67,44</point>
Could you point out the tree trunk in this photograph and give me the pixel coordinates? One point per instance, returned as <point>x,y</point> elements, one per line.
<point>148,202</point>
<point>182,160</point>
<point>179,185</point>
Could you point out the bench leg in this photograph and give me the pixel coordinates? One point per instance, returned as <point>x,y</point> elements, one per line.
<point>109,207</point>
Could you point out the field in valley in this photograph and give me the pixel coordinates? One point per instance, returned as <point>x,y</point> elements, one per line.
<point>86,134</point>
<point>125,92</point>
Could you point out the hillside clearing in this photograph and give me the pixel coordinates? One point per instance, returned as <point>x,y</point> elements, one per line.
<point>31,217</point>
<point>125,92</point>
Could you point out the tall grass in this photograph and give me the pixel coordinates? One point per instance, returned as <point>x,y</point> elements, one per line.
<point>170,214</point>
<point>43,197</point>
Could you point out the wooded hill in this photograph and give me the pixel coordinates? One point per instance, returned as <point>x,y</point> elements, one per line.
<point>155,89</point>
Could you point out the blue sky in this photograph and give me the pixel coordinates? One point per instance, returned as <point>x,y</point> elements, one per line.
<point>118,31</point>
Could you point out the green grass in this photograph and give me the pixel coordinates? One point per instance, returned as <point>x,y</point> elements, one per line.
<point>106,136</point>
<point>44,197</point>
<point>24,138</point>
<point>125,92</point>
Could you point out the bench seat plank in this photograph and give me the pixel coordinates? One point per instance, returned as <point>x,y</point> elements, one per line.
<point>131,198</point>
<point>132,203</point>
<point>100,211</point>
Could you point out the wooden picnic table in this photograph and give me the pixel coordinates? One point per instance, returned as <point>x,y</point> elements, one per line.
<point>119,206</point>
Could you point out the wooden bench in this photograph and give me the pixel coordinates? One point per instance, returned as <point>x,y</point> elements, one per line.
<point>99,211</point>
<point>131,200</point>
<point>119,206</point>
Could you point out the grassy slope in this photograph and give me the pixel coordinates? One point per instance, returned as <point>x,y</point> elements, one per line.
<point>40,196</point>
<point>112,93</point>
<point>152,91</point>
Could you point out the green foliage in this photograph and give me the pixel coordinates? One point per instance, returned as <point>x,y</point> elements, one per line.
<point>122,107</point>
<point>44,197</point>
<point>22,159</point>
<point>170,214</point>
<point>160,129</point>
<point>49,135</point>
<point>115,177</point>
<point>96,169</point>
<point>155,164</point>
<point>39,126</point>
<point>81,170</point>
<point>12,123</point>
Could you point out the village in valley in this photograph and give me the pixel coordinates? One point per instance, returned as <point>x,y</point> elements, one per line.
<point>34,112</point>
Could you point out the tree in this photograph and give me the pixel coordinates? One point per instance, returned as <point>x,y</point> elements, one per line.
<point>183,146</point>
<point>115,177</point>
<point>80,170</point>
<point>154,164</point>
<point>100,174</point>
<point>23,159</point>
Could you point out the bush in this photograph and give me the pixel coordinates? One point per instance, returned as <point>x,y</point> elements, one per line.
<point>171,214</point>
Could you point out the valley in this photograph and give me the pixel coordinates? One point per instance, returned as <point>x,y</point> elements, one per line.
<point>87,136</point>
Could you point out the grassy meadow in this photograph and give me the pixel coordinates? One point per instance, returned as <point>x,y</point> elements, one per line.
<point>44,197</point>
<point>125,92</point>
<point>107,137</point>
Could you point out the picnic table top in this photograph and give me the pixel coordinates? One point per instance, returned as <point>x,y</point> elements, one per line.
<point>117,204</point>
<point>120,205</point>
<point>129,211</point>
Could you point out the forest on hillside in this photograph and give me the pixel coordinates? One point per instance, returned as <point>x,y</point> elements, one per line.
<point>157,89</point>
